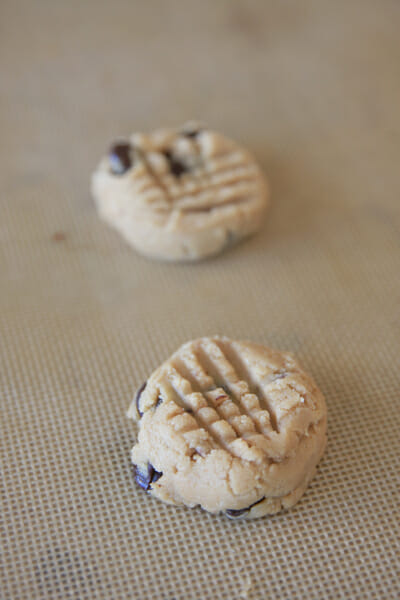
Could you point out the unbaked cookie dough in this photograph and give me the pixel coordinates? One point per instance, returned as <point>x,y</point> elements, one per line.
<point>230,426</point>
<point>180,194</point>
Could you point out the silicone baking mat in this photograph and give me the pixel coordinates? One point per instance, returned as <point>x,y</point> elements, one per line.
<point>313,89</point>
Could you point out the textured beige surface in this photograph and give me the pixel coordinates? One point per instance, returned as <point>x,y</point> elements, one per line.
<point>313,89</point>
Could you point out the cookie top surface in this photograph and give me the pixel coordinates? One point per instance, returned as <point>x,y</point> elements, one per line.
<point>180,194</point>
<point>232,426</point>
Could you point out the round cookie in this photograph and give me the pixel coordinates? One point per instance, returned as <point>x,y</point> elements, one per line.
<point>230,426</point>
<point>180,194</point>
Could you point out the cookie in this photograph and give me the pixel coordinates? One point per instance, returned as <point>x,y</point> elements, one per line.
<point>234,427</point>
<point>180,194</point>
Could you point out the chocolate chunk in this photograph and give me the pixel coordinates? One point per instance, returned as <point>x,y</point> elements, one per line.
<point>145,478</point>
<point>236,514</point>
<point>137,399</point>
<point>177,167</point>
<point>156,476</point>
<point>239,513</point>
<point>120,157</point>
<point>191,133</point>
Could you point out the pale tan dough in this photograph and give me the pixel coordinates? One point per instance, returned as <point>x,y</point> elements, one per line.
<point>230,425</point>
<point>221,197</point>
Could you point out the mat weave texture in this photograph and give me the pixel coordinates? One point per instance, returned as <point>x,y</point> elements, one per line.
<point>313,89</point>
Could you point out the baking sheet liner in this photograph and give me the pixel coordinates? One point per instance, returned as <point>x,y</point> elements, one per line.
<point>313,89</point>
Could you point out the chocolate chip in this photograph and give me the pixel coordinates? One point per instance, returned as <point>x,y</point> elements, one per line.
<point>137,398</point>
<point>239,513</point>
<point>236,514</point>
<point>177,167</point>
<point>120,157</point>
<point>146,477</point>
<point>156,476</point>
<point>191,133</point>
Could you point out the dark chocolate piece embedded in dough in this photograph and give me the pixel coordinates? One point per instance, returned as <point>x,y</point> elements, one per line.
<point>144,478</point>
<point>177,167</point>
<point>137,398</point>
<point>191,133</point>
<point>120,158</point>
<point>240,513</point>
